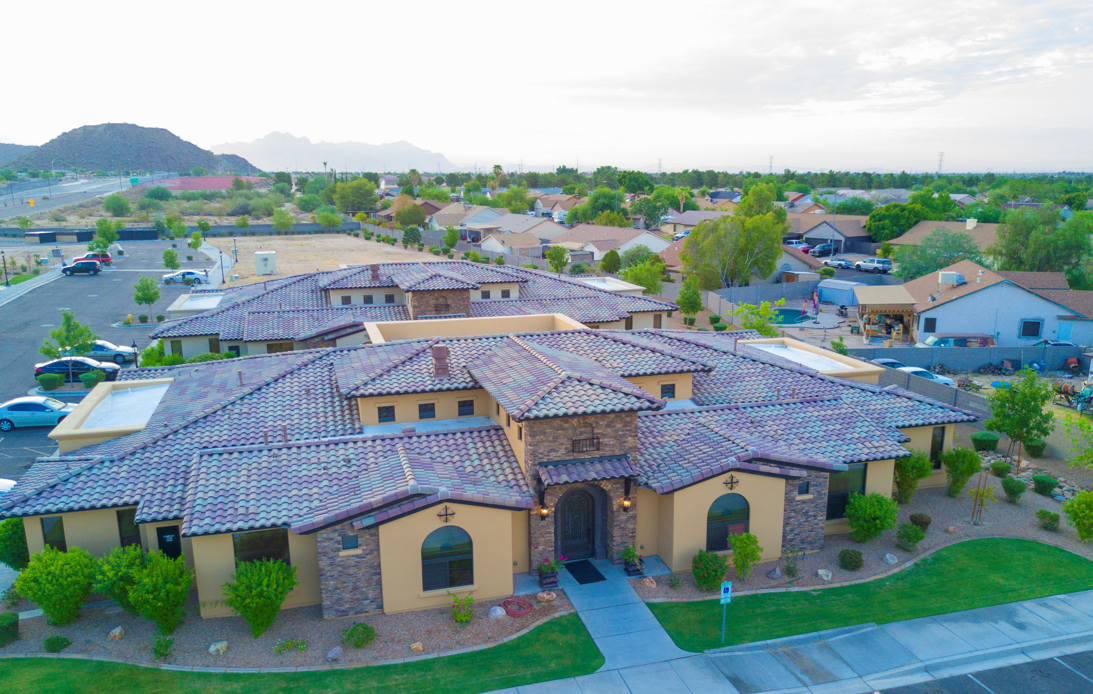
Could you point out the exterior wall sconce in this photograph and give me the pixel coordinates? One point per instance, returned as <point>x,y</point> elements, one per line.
<point>626,503</point>
<point>543,510</point>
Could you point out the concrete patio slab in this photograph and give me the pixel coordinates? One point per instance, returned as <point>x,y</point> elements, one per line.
<point>871,651</point>
<point>620,619</point>
<point>657,678</point>
<point>756,671</point>
<point>813,663</point>
<point>629,650</point>
<point>975,628</point>
<point>603,683</point>
<point>700,675</point>
<point>926,638</point>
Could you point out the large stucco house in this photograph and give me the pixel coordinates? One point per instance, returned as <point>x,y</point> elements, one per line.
<point>449,455</point>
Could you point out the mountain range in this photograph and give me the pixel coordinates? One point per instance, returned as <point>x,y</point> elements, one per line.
<point>284,152</point>
<point>109,145</point>
<point>9,152</point>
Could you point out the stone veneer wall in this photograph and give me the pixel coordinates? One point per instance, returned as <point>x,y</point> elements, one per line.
<point>803,525</point>
<point>621,526</point>
<point>352,584</point>
<point>424,303</point>
<point>547,440</point>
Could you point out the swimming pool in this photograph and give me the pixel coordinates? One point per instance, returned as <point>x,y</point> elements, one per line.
<point>789,316</point>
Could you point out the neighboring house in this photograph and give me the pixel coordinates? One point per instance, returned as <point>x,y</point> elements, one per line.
<point>982,233</point>
<point>560,209</point>
<point>689,220</point>
<point>848,233</point>
<point>523,244</point>
<point>601,239</point>
<point>431,207</point>
<point>434,462</point>
<point>723,204</point>
<point>673,265</point>
<point>544,204</point>
<point>1065,212</point>
<point>389,182</point>
<point>1016,308</point>
<point>544,229</point>
<point>792,260</point>
<point>807,207</point>
<point>459,215</point>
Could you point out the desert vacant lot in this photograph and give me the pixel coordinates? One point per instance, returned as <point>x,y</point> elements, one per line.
<point>308,253</point>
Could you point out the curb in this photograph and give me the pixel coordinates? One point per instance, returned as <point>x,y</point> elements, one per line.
<point>9,295</point>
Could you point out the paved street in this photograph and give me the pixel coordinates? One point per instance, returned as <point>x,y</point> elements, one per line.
<point>60,194</point>
<point>97,301</point>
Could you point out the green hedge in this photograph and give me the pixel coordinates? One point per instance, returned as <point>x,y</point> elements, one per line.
<point>984,441</point>
<point>50,381</point>
<point>9,628</point>
<point>1035,447</point>
<point>1044,484</point>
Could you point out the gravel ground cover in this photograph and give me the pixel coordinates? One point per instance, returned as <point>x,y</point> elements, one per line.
<point>1001,519</point>
<point>434,628</point>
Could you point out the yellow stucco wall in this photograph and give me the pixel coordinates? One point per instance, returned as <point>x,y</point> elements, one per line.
<point>652,384</point>
<point>683,521</point>
<point>357,296</point>
<point>94,531</point>
<point>648,532</point>
<point>406,406</point>
<point>191,346</point>
<point>400,556</point>
<point>520,547</point>
<point>921,438</point>
<point>878,479</point>
<point>214,557</point>
<point>495,291</point>
<point>513,430</point>
<point>150,542</point>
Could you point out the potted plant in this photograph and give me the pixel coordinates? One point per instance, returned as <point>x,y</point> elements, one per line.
<point>548,572</point>
<point>632,561</point>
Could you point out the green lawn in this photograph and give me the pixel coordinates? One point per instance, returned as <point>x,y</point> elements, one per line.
<point>16,279</point>
<point>557,649</point>
<point>971,574</point>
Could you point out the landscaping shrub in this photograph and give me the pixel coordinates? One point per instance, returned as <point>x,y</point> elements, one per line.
<point>1000,468</point>
<point>210,356</point>
<point>851,559</point>
<point>257,591</point>
<point>909,471</point>
<point>1035,447</point>
<point>161,591</point>
<point>143,318</point>
<point>117,574</point>
<point>1079,513</point>
<point>160,317</point>
<point>673,581</point>
<point>462,608</point>
<point>13,544</point>
<point>984,440</point>
<point>709,569</point>
<point>55,643</point>
<point>59,582</point>
<point>1044,484</point>
<point>1013,488</point>
<point>359,635</point>
<point>9,628</point>
<point>714,318</point>
<point>869,515</point>
<point>50,381</point>
<point>827,272</point>
<point>908,536</point>
<point>1048,520</point>
<point>921,520</point>
<point>719,327</point>
<point>960,464</point>
<point>746,553</point>
<point>92,379</point>
<point>283,645</point>
<point>162,647</point>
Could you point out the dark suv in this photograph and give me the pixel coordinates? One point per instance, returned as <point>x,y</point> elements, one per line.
<point>86,267</point>
<point>824,249</point>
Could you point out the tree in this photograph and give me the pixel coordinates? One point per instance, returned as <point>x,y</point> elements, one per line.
<point>117,205</point>
<point>746,553</point>
<point>603,199</point>
<point>308,203</point>
<point>203,226</point>
<point>909,471</point>
<point>939,249</point>
<point>451,236</point>
<point>634,182</point>
<point>283,220</point>
<point>72,337</point>
<point>870,515</point>
<point>237,184</point>
<point>106,235</point>
<point>330,220</point>
<point>282,177</point>
<point>411,236</point>
<point>242,222</point>
<point>855,205</point>
<point>146,291</point>
<point>1018,411</point>
<point>610,262</point>
<point>892,220</point>
<point>654,211</point>
<point>170,259</point>
<point>411,215</point>
<point>937,207</point>
<point>159,193</point>
<point>472,187</point>
<point>195,240</point>
<point>649,275</point>
<point>690,297</point>
<point>761,318</point>
<point>729,250</point>
<point>609,218</point>
<point>516,200</point>
<point>23,223</point>
<point>635,255</point>
<point>177,226</point>
<point>558,257</point>
<point>1034,241</point>
<point>355,196</point>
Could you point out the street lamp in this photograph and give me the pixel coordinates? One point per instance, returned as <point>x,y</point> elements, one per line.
<point>609,183</point>
<point>136,358</point>
<point>4,259</point>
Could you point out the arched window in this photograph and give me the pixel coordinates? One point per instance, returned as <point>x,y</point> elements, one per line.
<point>728,515</point>
<point>447,559</point>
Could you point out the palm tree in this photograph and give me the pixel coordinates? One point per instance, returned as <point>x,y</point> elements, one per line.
<point>684,192</point>
<point>498,172</point>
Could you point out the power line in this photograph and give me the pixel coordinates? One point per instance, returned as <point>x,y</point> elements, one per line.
<point>940,161</point>
<point>770,166</point>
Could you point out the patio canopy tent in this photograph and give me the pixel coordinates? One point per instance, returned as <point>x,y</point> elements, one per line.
<point>885,311</point>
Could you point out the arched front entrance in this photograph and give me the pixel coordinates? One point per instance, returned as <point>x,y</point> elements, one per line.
<point>579,529</point>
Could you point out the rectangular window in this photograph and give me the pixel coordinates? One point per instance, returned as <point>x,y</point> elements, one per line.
<point>127,527</point>
<point>386,413</point>
<point>275,347</point>
<point>508,420</point>
<point>656,321</point>
<point>349,542</point>
<point>667,391</point>
<point>629,322</point>
<point>840,486</point>
<point>937,444</point>
<point>347,300</point>
<point>1031,328</point>
<point>426,410</point>
<point>485,293</point>
<point>587,445</point>
<point>214,345</point>
<point>388,298</point>
<point>235,349</point>
<point>506,293</point>
<point>929,325</point>
<point>262,544</point>
<point>368,299</point>
<point>498,409</point>
<point>176,347</point>
<point>519,432</point>
<point>466,408</point>
<point>53,530</point>
<point>803,487</point>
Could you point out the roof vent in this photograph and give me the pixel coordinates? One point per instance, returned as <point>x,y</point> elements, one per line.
<point>375,272</point>
<point>441,368</point>
<point>409,430</point>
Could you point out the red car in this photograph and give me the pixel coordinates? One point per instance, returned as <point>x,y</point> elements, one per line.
<point>103,258</point>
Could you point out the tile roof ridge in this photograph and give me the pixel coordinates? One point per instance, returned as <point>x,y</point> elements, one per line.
<point>611,335</point>
<point>407,468</point>
<point>24,495</point>
<point>345,438</point>
<point>288,282</point>
<point>445,273</point>
<point>427,344</point>
<point>554,383</point>
<point>682,337</point>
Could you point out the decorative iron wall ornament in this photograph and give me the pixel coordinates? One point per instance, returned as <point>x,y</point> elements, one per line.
<point>731,482</point>
<point>446,514</point>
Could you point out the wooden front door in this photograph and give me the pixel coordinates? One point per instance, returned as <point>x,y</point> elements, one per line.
<point>577,526</point>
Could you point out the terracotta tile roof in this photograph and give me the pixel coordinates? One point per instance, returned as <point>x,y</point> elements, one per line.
<point>805,258</point>
<point>1078,302</point>
<point>587,470</point>
<point>670,255</point>
<point>983,234</point>
<point>592,233</point>
<point>299,324</point>
<point>1035,280</point>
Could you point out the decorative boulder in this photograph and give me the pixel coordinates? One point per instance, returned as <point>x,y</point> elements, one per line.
<point>497,612</point>
<point>951,530</point>
<point>335,654</point>
<point>116,633</point>
<point>890,559</point>
<point>775,573</point>
<point>218,648</point>
<point>546,596</point>
<point>824,574</point>
<point>416,647</point>
<point>648,582</point>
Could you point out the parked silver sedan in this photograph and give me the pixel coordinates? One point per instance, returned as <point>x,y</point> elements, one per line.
<point>34,411</point>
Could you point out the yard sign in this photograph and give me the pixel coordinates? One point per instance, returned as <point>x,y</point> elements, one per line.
<point>726,598</point>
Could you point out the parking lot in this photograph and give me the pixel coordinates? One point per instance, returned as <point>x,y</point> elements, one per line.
<point>1067,674</point>
<point>97,301</point>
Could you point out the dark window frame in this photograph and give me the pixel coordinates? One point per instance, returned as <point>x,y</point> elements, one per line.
<point>255,549</point>
<point>446,567</point>
<point>937,445</point>
<point>506,293</point>
<point>667,391</point>
<point>718,528</point>
<point>382,413</point>
<point>127,521</point>
<point>836,500</point>
<point>465,408</point>
<point>369,300</point>
<point>388,298</point>
<point>804,488</point>
<point>426,410</point>
<point>350,542</point>
<point>54,525</point>
<point>929,325</point>
<point>1031,321</point>
<point>586,444</point>
<point>486,294</point>
<point>347,300</point>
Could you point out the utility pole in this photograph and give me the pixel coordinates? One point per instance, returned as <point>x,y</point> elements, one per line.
<point>940,160</point>
<point>770,166</point>
<point>659,171</point>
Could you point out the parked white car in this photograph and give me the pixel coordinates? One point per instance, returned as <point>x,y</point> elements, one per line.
<point>923,373</point>
<point>102,350</point>
<point>181,276</point>
<point>34,411</point>
<point>838,262</point>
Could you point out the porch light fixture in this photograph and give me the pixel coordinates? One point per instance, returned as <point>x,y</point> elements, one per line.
<point>543,510</point>
<point>626,503</point>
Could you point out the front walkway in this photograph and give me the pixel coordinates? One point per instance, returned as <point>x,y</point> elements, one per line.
<point>851,660</point>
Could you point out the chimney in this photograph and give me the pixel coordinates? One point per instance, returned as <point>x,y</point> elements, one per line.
<point>440,361</point>
<point>240,374</point>
<point>970,224</point>
<point>375,272</point>
<point>284,433</point>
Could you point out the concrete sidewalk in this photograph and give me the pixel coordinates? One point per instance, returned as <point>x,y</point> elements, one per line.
<point>9,294</point>
<point>852,660</point>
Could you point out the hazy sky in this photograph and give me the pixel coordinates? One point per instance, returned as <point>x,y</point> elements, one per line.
<point>724,85</point>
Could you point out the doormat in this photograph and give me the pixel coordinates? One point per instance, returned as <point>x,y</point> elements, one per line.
<point>584,572</point>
